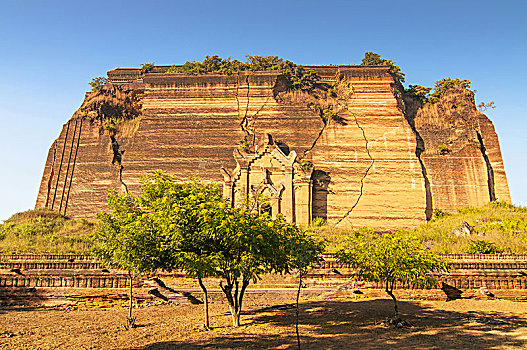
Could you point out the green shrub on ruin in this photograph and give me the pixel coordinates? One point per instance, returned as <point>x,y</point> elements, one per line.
<point>419,92</point>
<point>97,83</point>
<point>443,85</point>
<point>147,67</point>
<point>374,59</point>
<point>443,149</point>
<point>297,77</point>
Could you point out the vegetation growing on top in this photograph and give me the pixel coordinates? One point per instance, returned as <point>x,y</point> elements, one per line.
<point>45,231</point>
<point>97,83</point>
<point>441,86</point>
<point>298,77</point>
<point>419,92</point>
<point>429,95</point>
<point>147,67</point>
<point>374,59</point>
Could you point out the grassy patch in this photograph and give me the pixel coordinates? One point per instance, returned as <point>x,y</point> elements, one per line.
<point>498,226</point>
<point>45,231</point>
<point>499,223</point>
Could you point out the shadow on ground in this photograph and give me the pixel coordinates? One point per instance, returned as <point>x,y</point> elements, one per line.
<point>358,324</point>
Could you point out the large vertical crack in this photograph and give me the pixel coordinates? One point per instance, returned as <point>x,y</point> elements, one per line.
<point>365,174</point>
<point>118,158</point>
<point>419,149</point>
<point>490,170</point>
<point>428,191</point>
<point>244,122</point>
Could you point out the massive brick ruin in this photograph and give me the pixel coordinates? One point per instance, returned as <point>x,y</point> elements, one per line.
<point>385,162</point>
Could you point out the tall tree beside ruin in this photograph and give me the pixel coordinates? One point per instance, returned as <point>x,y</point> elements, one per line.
<point>181,211</point>
<point>127,239</point>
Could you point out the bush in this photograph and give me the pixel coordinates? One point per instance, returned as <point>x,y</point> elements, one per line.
<point>439,214</point>
<point>443,150</point>
<point>481,247</point>
<point>374,59</point>
<point>97,83</point>
<point>298,78</point>
<point>419,92</point>
<point>147,67</point>
<point>441,86</point>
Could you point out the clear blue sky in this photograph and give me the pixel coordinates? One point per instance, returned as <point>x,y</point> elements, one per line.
<point>50,50</point>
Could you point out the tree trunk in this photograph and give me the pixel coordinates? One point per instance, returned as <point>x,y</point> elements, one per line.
<point>235,317</point>
<point>297,301</point>
<point>206,304</point>
<point>235,301</point>
<point>131,322</point>
<point>389,291</point>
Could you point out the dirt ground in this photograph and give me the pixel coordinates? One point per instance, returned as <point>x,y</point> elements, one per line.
<point>326,322</point>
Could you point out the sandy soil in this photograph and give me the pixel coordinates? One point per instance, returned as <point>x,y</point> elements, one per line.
<point>336,322</point>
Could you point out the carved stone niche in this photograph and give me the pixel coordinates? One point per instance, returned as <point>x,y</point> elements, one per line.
<point>274,173</point>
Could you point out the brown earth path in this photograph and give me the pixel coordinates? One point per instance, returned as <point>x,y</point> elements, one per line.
<point>332,322</point>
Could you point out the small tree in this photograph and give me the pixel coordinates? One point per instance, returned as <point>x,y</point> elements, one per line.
<point>126,239</point>
<point>390,259</point>
<point>247,245</point>
<point>97,83</point>
<point>304,252</point>
<point>446,84</point>
<point>147,67</point>
<point>374,59</point>
<point>180,211</point>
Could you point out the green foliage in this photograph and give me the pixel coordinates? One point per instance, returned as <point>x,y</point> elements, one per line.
<point>243,145</point>
<point>188,226</point>
<point>501,223</point>
<point>318,222</point>
<point>45,231</point>
<point>126,238</point>
<point>298,78</point>
<point>147,67</point>
<point>374,59</point>
<point>306,165</point>
<point>419,92</point>
<point>446,84</point>
<point>391,258</point>
<point>443,149</point>
<point>97,83</point>
<point>429,95</point>
<point>481,246</point>
<point>328,114</point>
<point>439,214</point>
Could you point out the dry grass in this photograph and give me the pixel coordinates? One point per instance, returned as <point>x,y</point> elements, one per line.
<point>503,224</point>
<point>45,231</point>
